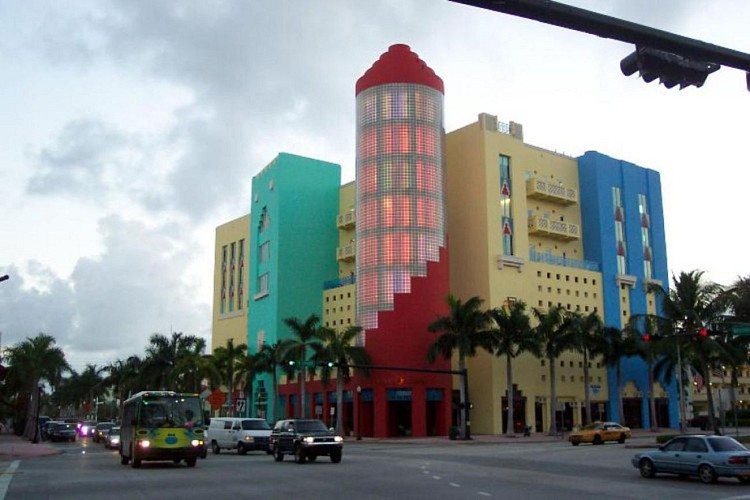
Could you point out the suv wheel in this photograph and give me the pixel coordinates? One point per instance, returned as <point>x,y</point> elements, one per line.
<point>336,456</point>
<point>215,447</point>
<point>241,450</point>
<point>277,455</point>
<point>299,454</point>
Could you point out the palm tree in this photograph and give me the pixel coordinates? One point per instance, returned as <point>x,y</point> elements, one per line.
<point>587,331</point>
<point>297,349</point>
<point>512,335</point>
<point>616,345</point>
<point>162,356</point>
<point>33,361</point>
<point>691,304</point>
<point>271,357</point>
<point>124,377</point>
<point>555,337</point>
<point>463,330</point>
<point>644,329</point>
<point>193,366</point>
<point>339,350</point>
<point>246,369</point>
<point>227,358</point>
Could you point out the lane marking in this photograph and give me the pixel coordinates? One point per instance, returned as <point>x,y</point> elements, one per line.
<point>7,476</point>
<point>484,494</point>
<point>436,478</point>
<point>455,485</point>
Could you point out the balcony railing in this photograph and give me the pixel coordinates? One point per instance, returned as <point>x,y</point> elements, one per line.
<point>561,260</point>
<point>346,220</point>
<point>347,253</point>
<point>540,188</point>
<point>339,282</point>
<point>560,230</point>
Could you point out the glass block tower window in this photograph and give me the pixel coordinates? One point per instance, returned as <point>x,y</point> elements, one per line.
<point>400,202</point>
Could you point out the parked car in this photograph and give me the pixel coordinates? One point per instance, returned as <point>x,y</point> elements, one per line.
<point>306,440</point>
<point>112,438</point>
<point>61,431</point>
<point>599,433</point>
<point>708,457</point>
<point>44,428</point>
<point>100,431</point>
<point>241,434</point>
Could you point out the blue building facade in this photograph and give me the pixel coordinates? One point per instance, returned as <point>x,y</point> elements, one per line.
<point>623,221</point>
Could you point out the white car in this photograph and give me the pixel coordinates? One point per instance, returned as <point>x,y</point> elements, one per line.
<point>112,438</point>
<point>241,434</point>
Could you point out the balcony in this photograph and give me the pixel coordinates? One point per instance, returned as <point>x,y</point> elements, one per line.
<point>346,220</point>
<point>347,253</point>
<point>543,226</point>
<point>556,193</point>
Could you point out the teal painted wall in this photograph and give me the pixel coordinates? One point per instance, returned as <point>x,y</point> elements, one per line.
<point>301,198</point>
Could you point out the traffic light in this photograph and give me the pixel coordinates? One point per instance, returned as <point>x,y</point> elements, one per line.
<point>646,337</point>
<point>703,333</point>
<point>671,69</point>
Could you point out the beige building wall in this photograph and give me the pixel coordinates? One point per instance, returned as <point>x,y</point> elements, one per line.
<point>230,283</point>
<point>545,222</point>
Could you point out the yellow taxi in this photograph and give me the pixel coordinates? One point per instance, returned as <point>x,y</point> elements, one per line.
<point>599,433</point>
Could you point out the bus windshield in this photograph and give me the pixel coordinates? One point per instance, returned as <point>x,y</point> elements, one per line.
<point>170,411</point>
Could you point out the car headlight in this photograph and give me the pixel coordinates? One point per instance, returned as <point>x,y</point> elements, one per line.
<point>114,440</point>
<point>144,444</point>
<point>338,439</point>
<point>249,439</point>
<point>308,439</point>
<point>196,442</point>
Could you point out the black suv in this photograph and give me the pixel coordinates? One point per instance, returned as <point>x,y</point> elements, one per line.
<point>305,439</point>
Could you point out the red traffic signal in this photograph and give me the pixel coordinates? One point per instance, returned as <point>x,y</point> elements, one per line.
<point>703,333</point>
<point>646,337</point>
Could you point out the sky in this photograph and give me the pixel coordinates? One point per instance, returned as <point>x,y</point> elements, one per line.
<point>131,129</point>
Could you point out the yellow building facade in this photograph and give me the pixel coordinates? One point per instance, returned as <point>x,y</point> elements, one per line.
<point>231,263</point>
<point>517,237</point>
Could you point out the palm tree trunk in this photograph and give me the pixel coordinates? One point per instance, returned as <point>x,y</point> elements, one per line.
<point>303,396</point>
<point>709,394</point>
<point>30,429</point>
<point>275,382</point>
<point>618,372</point>
<point>586,385</point>
<point>339,401</point>
<point>462,398</point>
<point>511,397</point>
<point>552,398</point>
<point>651,399</point>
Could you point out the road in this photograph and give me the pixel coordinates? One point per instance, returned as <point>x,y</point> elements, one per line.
<point>369,470</point>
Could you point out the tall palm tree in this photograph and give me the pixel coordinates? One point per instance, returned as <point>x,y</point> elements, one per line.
<point>124,377</point>
<point>162,355</point>
<point>587,331</point>
<point>555,337</point>
<point>271,358</point>
<point>512,335</point>
<point>306,341</point>
<point>34,361</point>
<point>616,345</point>
<point>227,358</point>
<point>246,369</point>
<point>339,350</point>
<point>645,331</point>
<point>462,331</point>
<point>693,303</point>
<point>193,366</point>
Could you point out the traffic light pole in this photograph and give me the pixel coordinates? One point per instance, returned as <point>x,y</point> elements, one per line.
<point>586,21</point>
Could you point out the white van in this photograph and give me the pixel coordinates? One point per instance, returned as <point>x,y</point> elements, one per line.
<point>241,434</point>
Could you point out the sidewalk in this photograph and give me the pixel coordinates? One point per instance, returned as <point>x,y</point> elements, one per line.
<point>12,446</point>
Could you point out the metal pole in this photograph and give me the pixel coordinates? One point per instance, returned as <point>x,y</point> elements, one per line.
<point>359,413</point>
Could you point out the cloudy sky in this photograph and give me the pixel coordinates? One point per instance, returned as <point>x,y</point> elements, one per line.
<point>130,129</point>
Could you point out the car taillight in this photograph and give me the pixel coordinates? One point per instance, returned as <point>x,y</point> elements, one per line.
<point>739,459</point>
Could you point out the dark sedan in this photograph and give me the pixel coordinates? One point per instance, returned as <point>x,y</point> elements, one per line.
<point>306,440</point>
<point>708,457</point>
<point>62,432</point>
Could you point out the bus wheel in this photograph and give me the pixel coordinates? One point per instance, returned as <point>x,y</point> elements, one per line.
<point>191,461</point>
<point>136,462</point>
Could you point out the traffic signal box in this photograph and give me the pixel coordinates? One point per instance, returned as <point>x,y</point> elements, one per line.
<point>670,69</point>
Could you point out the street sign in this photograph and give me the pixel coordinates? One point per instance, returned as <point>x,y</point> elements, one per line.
<point>240,405</point>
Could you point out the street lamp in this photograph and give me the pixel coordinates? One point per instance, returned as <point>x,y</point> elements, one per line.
<point>359,413</point>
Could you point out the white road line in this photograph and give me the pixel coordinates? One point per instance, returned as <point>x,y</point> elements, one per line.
<point>436,477</point>
<point>484,494</point>
<point>455,485</point>
<point>425,472</point>
<point>7,476</point>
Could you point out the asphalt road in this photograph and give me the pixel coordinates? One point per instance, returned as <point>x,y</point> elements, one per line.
<point>369,470</point>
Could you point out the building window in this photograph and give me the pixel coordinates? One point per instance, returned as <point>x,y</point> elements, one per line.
<point>263,284</point>
<point>240,275</point>
<point>264,252</point>
<point>265,220</point>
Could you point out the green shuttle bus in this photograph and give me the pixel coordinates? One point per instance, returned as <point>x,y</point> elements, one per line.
<point>162,425</point>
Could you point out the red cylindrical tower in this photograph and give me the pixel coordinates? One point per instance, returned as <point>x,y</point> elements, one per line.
<point>402,260</point>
